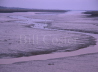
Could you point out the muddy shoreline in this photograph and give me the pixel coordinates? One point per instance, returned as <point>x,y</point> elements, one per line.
<point>49,41</point>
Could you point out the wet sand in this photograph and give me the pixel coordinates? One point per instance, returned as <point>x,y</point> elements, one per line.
<point>66,36</point>
<point>81,63</point>
<point>17,40</point>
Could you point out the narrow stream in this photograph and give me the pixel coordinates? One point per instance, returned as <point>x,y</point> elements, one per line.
<point>91,49</point>
<point>42,25</point>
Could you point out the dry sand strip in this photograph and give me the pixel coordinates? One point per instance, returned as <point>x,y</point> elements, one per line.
<point>81,63</point>
<point>10,47</point>
<point>16,40</point>
<point>87,50</point>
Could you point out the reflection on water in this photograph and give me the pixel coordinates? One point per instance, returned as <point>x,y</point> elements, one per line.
<point>33,23</point>
<point>50,13</point>
<point>91,49</point>
<point>42,24</point>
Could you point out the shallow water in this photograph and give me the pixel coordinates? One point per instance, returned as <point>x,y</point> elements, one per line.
<point>91,49</point>
<point>32,21</point>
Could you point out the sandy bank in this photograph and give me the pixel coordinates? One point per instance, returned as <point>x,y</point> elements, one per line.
<point>81,63</point>
<point>16,40</point>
